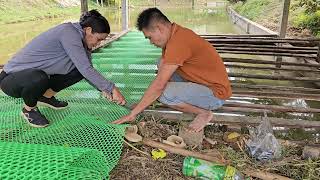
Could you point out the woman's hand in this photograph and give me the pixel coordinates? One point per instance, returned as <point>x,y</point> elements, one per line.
<point>124,119</point>
<point>116,96</point>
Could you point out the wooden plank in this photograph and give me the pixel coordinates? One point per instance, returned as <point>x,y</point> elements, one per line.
<point>256,61</point>
<point>238,120</point>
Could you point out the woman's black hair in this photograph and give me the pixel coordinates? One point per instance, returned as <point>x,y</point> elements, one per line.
<point>96,21</point>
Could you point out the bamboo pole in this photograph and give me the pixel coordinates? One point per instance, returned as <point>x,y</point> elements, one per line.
<point>183,152</point>
<point>271,68</point>
<point>268,49</point>
<point>275,95</point>
<point>266,46</point>
<point>268,54</point>
<point>273,77</point>
<point>256,61</point>
<point>249,40</point>
<point>170,115</point>
<point>275,108</point>
<point>280,88</point>
<point>236,35</point>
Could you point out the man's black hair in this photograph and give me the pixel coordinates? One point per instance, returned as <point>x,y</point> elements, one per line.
<point>150,15</point>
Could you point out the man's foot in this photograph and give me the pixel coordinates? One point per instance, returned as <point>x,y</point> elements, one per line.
<point>35,118</point>
<point>200,121</point>
<point>52,103</point>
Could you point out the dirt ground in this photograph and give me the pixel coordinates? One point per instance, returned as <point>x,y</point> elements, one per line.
<point>135,165</point>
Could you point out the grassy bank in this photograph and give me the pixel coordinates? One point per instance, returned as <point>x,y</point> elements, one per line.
<point>304,17</point>
<point>13,11</point>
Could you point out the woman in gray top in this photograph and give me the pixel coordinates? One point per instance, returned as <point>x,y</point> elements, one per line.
<point>55,60</point>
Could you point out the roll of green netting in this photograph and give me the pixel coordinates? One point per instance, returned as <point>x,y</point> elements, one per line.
<point>80,142</point>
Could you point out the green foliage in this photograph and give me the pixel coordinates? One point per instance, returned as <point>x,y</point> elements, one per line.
<point>252,9</point>
<point>310,6</point>
<point>308,21</point>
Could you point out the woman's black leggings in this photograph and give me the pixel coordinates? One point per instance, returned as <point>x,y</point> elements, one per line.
<point>30,84</point>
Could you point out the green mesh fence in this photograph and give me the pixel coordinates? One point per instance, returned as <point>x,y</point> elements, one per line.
<point>80,143</point>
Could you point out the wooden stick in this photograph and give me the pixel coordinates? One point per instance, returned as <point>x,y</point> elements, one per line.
<point>181,151</point>
<point>272,77</point>
<point>271,68</point>
<point>265,175</point>
<point>172,115</point>
<point>130,145</point>
<point>255,61</point>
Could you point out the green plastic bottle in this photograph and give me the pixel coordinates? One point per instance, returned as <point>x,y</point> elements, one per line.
<point>206,170</point>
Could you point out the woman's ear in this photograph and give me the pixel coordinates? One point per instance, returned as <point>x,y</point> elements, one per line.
<point>88,30</point>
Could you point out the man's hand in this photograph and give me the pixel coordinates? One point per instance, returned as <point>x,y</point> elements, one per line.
<point>124,119</point>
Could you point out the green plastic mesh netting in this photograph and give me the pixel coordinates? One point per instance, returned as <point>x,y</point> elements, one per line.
<point>80,143</point>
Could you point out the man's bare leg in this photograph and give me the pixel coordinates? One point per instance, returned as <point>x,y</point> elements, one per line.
<point>200,121</point>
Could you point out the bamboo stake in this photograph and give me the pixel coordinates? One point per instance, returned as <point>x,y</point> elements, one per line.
<point>181,151</point>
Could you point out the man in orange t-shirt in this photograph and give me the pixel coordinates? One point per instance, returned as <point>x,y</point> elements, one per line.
<point>191,75</point>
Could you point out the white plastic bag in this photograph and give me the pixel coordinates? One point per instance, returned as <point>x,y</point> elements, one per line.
<point>263,145</point>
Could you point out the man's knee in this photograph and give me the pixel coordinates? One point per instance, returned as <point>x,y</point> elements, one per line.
<point>170,95</point>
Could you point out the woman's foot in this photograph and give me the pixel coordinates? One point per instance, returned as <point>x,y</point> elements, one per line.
<point>52,103</point>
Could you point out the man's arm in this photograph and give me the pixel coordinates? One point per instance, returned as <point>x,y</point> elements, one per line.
<point>153,92</point>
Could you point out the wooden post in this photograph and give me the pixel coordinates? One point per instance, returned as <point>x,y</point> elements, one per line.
<point>124,14</point>
<point>155,3</point>
<point>84,6</point>
<point>102,3</point>
<point>283,26</point>
<point>192,4</point>
<point>98,2</point>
